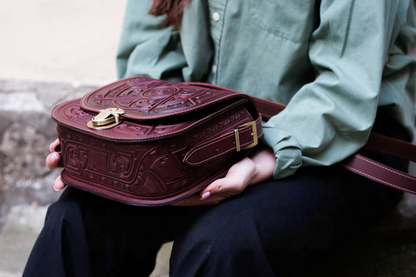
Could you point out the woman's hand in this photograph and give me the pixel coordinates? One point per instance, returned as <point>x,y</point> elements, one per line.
<point>246,172</point>
<point>52,161</point>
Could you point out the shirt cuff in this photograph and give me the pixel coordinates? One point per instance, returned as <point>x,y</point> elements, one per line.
<point>286,150</point>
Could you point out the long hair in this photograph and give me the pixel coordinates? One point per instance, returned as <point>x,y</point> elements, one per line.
<point>171,8</point>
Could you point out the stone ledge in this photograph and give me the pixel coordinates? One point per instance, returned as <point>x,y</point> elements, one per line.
<point>26,130</point>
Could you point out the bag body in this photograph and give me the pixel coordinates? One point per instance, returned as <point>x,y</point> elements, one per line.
<point>150,142</point>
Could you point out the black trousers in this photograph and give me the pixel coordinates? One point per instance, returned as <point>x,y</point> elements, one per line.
<point>275,228</point>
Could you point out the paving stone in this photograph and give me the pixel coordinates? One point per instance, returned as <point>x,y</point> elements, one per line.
<point>18,236</point>
<point>162,261</point>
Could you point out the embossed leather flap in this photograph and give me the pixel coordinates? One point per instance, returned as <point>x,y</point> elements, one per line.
<point>154,109</point>
<point>144,98</point>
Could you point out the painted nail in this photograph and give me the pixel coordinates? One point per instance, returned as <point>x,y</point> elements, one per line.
<point>54,157</point>
<point>205,195</point>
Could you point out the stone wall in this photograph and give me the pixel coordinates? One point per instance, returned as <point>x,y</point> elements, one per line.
<point>26,130</point>
<point>26,184</point>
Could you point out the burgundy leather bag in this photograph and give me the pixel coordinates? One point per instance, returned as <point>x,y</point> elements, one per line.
<point>150,142</point>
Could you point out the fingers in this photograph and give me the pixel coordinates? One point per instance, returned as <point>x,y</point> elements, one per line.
<point>52,160</point>
<point>227,185</point>
<point>194,200</point>
<point>59,185</point>
<point>214,193</point>
<point>237,179</point>
<point>53,145</point>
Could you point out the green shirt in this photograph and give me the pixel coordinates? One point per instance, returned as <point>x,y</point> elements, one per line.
<point>333,62</point>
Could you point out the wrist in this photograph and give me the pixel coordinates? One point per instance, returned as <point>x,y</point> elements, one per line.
<point>264,161</point>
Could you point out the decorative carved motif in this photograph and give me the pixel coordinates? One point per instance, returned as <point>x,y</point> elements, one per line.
<point>145,170</point>
<point>142,158</point>
<point>144,96</point>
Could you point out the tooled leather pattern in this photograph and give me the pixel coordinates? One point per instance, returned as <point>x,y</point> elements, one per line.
<point>72,115</point>
<point>143,97</point>
<point>139,160</point>
<point>152,170</point>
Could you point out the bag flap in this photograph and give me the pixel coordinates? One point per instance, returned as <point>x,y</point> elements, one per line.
<point>154,109</point>
<point>144,98</point>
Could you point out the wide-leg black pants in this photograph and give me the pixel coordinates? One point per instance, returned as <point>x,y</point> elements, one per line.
<point>271,229</point>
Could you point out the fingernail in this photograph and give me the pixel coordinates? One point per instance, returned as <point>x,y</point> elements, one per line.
<point>56,189</point>
<point>205,195</point>
<point>54,157</point>
<point>50,146</point>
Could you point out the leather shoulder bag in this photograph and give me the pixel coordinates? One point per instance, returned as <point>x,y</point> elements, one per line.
<point>150,142</point>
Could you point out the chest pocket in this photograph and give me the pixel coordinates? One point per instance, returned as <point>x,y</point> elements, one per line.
<point>288,19</point>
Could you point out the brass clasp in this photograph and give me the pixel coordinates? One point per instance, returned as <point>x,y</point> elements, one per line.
<point>106,119</point>
<point>253,134</point>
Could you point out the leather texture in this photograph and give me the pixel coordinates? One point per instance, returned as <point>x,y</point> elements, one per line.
<point>174,140</point>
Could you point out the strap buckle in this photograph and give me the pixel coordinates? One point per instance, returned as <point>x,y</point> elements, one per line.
<point>253,134</point>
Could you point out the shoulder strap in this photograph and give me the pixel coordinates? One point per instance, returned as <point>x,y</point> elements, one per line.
<point>356,163</point>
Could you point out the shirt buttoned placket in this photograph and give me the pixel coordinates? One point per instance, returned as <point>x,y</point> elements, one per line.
<point>217,13</point>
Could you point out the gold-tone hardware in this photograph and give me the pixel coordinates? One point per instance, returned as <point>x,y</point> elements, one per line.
<point>253,134</point>
<point>106,119</point>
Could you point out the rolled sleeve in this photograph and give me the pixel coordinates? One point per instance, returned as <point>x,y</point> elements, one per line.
<point>331,118</point>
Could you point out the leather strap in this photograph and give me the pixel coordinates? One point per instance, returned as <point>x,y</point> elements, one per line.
<point>356,163</point>
<point>222,145</point>
<point>390,146</point>
<point>380,173</point>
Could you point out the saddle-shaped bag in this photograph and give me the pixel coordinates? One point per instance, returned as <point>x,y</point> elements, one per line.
<point>150,142</point>
<point>142,141</point>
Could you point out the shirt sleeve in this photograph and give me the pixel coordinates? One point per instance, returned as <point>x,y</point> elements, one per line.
<point>147,48</point>
<point>331,118</point>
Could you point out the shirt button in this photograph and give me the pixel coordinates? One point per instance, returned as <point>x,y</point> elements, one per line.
<point>216,16</point>
<point>214,69</point>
